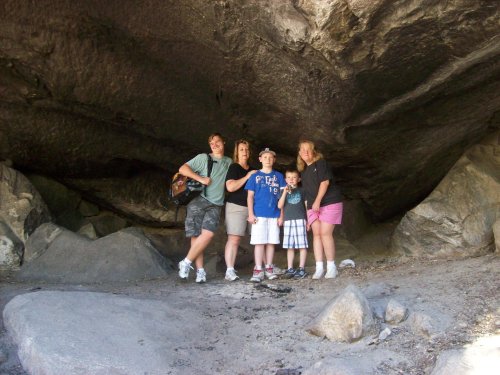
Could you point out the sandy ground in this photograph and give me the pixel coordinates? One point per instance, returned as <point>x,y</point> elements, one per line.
<point>252,329</point>
<point>260,329</point>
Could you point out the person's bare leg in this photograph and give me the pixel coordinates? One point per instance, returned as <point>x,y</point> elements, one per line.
<point>327,240</point>
<point>231,250</point>
<point>199,261</point>
<point>318,249</point>
<point>290,254</point>
<point>303,257</point>
<point>269,253</point>
<point>198,246</point>
<point>317,244</point>
<point>259,255</point>
<point>329,247</point>
<point>235,252</point>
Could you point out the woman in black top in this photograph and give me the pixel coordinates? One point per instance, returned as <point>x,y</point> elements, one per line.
<point>236,204</point>
<point>324,205</point>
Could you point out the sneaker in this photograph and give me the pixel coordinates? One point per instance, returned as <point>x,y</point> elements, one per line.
<point>184,269</point>
<point>231,275</point>
<point>289,273</point>
<point>300,273</point>
<point>331,273</point>
<point>318,274</point>
<point>269,273</point>
<point>258,276</point>
<point>201,276</point>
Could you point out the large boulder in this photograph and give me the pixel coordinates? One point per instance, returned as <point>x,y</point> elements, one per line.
<point>481,358</point>
<point>98,333</point>
<point>55,254</point>
<point>457,218</point>
<point>21,206</point>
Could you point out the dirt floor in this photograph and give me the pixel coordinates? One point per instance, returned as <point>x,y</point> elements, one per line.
<point>259,329</point>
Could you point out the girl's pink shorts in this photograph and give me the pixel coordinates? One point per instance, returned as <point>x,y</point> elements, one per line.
<point>331,214</point>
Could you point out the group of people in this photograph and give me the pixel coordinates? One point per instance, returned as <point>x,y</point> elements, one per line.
<point>305,198</point>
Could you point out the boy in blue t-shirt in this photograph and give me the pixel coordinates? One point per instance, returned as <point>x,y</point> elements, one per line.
<point>264,190</point>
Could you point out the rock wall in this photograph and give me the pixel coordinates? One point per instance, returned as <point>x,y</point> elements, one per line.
<point>392,92</point>
<point>21,206</point>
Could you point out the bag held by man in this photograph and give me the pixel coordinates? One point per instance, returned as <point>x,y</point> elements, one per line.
<point>183,189</point>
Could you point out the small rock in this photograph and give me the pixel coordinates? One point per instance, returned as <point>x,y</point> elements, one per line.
<point>395,312</point>
<point>347,263</point>
<point>346,318</point>
<point>88,231</point>
<point>384,334</point>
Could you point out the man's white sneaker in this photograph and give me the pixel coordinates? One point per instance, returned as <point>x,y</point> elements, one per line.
<point>201,276</point>
<point>184,269</point>
<point>231,275</point>
<point>318,274</point>
<point>331,273</point>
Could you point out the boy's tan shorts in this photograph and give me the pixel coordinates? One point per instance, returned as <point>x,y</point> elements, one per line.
<point>236,219</point>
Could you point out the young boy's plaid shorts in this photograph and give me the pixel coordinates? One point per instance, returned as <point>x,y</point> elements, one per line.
<point>295,234</point>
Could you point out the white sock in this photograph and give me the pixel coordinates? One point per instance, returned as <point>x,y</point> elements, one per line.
<point>330,264</point>
<point>186,260</point>
<point>258,268</point>
<point>319,266</point>
<point>269,265</point>
<point>230,269</point>
<point>201,269</point>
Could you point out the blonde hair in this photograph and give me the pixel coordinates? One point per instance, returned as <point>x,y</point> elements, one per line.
<point>301,165</point>
<point>236,145</point>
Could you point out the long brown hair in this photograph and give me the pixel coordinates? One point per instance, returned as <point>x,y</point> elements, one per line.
<point>301,165</point>
<point>236,145</point>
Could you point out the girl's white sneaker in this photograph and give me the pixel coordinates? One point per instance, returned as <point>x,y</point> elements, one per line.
<point>318,274</point>
<point>331,273</point>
